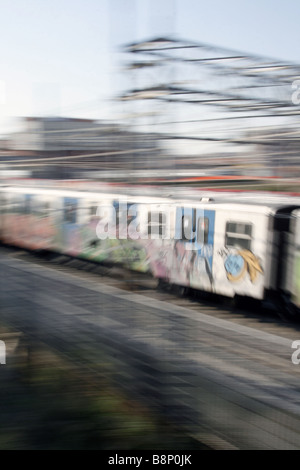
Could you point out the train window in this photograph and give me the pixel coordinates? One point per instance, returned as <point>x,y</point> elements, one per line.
<point>70,213</point>
<point>123,217</point>
<point>26,206</point>
<point>4,203</point>
<point>238,234</point>
<point>186,228</point>
<point>93,210</point>
<point>16,204</point>
<point>202,230</point>
<point>156,224</point>
<point>41,208</point>
<point>130,218</point>
<point>11,206</point>
<point>128,214</point>
<point>118,216</point>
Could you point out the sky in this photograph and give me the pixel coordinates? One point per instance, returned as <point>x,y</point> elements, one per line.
<point>62,57</point>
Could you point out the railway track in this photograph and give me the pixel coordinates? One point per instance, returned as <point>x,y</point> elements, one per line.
<point>252,314</point>
<point>224,375</point>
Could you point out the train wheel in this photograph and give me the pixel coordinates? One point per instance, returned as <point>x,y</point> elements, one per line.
<point>162,284</point>
<point>286,310</point>
<point>181,291</point>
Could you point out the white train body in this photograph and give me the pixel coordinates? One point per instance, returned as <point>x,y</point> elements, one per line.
<point>231,246</point>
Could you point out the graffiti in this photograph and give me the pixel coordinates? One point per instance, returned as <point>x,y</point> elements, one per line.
<point>189,267</point>
<point>240,262</point>
<point>235,266</point>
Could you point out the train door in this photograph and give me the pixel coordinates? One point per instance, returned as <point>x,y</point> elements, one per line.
<point>70,226</point>
<point>3,205</point>
<point>2,212</point>
<point>241,251</point>
<point>23,231</point>
<point>91,244</point>
<point>292,279</point>
<point>202,272</point>
<point>96,221</point>
<point>42,224</point>
<point>18,222</point>
<point>128,249</point>
<point>7,218</point>
<point>193,248</point>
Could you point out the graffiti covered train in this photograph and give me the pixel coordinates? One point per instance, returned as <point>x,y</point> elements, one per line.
<point>230,246</point>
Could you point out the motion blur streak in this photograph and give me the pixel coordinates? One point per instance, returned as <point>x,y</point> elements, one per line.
<point>198,157</point>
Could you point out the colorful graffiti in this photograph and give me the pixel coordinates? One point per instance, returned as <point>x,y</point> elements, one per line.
<point>238,263</point>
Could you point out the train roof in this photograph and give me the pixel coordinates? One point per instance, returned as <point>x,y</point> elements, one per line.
<point>258,199</point>
<point>179,196</point>
<point>90,195</point>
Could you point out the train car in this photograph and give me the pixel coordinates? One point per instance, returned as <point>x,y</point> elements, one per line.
<point>242,248</point>
<point>95,226</point>
<point>230,246</point>
<point>289,272</point>
<point>222,248</point>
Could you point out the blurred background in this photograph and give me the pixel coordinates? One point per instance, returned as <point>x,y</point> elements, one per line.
<point>138,92</point>
<point>185,90</point>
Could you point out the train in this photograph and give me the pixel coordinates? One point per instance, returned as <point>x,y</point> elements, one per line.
<point>230,245</point>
